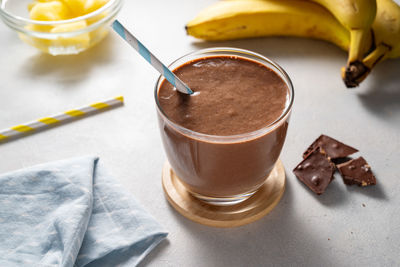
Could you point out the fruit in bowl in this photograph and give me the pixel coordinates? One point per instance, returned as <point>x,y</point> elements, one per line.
<point>62,27</point>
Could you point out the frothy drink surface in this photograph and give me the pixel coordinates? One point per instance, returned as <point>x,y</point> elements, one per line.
<point>232,96</point>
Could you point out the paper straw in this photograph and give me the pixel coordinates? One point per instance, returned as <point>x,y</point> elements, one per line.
<point>46,122</point>
<point>149,57</point>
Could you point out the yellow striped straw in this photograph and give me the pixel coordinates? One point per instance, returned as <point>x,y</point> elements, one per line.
<point>57,119</point>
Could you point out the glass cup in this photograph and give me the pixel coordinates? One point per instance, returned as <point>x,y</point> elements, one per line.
<point>224,170</point>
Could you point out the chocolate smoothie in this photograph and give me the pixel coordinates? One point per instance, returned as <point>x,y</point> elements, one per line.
<point>233,96</point>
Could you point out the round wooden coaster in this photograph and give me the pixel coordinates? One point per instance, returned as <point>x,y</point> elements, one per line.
<point>250,210</point>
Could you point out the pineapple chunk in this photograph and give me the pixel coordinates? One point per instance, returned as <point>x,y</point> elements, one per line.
<point>92,5</point>
<point>69,27</point>
<point>56,10</point>
<point>39,43</point>
<point>81,41</point>
<point>77,7</point>
<point>31,5</point>
<point>95,19</point>
<point>38,28</point>
<point>49,11</point>
<point>83,7</point>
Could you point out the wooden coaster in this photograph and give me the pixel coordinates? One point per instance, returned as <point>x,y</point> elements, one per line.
<point>250,210</point>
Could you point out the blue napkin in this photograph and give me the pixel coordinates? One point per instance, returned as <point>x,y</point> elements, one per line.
<point>72,213</point>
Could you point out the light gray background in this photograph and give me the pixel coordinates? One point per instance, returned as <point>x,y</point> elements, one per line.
<point>333,229</point>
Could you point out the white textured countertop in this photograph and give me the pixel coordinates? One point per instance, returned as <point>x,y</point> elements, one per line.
<point>334,229</point>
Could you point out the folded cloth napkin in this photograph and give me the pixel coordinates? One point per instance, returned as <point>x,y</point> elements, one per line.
<point>72,213</point>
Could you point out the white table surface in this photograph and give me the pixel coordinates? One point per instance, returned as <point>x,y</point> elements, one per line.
<point>334,229</point>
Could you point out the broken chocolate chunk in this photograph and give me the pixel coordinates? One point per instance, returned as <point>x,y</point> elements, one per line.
<point>333,148</point>
<point>357,171</point>
<point>316,171</point>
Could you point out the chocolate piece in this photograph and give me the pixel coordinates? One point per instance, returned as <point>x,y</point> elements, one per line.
<point>316,171</point>
<point>333,148</point>
<point>357,171</point>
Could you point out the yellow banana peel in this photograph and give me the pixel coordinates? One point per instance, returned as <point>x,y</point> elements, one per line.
<point>235,19</point>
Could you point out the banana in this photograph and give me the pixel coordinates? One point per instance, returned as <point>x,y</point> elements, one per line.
<point>357,16</point>
<point>386,31</point>
<point>235,19</point>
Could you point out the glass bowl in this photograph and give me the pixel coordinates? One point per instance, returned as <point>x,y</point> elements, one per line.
<point>61,37</point>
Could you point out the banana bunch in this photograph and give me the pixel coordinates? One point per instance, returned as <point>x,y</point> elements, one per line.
<point>386,32</point>
<point>364,28</point>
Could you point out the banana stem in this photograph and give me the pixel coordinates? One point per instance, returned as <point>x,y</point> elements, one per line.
<point>358,44</point>
<point>358,70</point>
<point>376,56</point>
